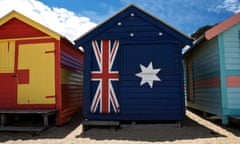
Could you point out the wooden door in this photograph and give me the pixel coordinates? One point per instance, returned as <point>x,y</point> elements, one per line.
<point>36,74</point>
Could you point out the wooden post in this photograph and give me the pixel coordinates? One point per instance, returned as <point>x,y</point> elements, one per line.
<point>45,118</point>
<point>3,118</point>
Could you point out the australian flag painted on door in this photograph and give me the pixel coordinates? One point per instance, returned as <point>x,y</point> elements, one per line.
<point>133,68</point>
<point>103,75</point>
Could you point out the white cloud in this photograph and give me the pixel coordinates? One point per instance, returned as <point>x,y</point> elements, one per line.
<point>60,20</point>
<point>230,5</point>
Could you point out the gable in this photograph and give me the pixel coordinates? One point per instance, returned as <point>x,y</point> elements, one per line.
<point>233,31</point>
<point>15,22</point>
<point>132,29</point>
<point>134,24</point>
<point>230,28</point>
<point>15,28</point>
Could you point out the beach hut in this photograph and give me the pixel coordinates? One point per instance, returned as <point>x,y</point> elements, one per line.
<point>212,68</point>
<point>133,69</point>
<point>40,71</point>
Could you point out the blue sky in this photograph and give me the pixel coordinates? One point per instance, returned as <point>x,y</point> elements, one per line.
<point>185,15</point>
<point>74,17</point>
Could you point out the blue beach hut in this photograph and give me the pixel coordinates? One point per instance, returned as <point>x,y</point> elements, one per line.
<point>133,69</point>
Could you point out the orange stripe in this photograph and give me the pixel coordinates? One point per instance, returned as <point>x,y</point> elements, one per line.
<point>209,82</point>
<point>58,75</point>
<point>233,81</point>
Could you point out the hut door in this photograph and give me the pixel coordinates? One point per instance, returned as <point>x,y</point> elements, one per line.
<point>189,79</point>
<point>36,74</point>
<point>7,74</point>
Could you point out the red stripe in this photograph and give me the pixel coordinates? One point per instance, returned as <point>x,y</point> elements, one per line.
<point>53,51</point>
<point>114,102</point>
<point>233,81</point>
<point>8,46</point>
<point>47,97</point>
<point>96,101</point>
<point>209,82</point>
<point>98,55</point>
<point>114,50</point>
<point>105,66</point>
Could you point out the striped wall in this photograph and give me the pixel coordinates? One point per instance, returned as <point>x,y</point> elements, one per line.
<point>231,44</point>
<point>71,82</point>
<point>206,77</point>
<point>216,74</point>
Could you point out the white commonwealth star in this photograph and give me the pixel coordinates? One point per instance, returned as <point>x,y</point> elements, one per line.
<point>148,74</point>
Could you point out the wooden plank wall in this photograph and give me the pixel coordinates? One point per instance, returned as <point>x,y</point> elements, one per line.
<point>231,43</point>
<point>71,82</point>
<point>206,78</point>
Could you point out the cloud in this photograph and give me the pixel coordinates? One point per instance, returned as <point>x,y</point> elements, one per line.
<point>60,20</point>
<point>230,5</point>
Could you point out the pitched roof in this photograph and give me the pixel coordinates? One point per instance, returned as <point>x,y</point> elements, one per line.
<point>221,27</point>
<point>216,30</point>
<point>14,14</point>
<point>115,18</point>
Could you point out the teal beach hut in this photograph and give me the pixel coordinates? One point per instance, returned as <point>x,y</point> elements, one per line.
<point>212,70</point>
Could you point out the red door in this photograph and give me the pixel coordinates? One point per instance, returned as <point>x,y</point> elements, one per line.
<point>8,77</point>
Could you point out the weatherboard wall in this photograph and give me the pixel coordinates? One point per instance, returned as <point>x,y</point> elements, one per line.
<point>231,45</point>
<point>71,73</point>
<point>206,77</point>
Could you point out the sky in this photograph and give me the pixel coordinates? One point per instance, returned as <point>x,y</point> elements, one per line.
<point>73,18</point>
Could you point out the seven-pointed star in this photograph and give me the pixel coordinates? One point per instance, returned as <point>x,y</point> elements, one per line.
<point>148,74</point>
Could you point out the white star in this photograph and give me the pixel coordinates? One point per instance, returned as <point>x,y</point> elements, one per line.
<point>148,74</point>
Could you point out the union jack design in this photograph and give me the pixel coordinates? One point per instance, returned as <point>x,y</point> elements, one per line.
<point>105,96</point>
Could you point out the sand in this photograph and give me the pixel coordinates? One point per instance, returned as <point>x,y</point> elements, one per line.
<point>195,130</point>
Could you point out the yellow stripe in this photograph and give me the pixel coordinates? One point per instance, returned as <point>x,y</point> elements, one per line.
<point>31,38</point>
<point>7,51</point>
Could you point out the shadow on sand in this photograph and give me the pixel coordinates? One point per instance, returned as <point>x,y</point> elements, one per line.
<point>54,132</point>
<point>152,132</point>
<point>157,132</point>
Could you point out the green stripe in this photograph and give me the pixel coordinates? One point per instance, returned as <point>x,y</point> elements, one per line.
<point>207,75</point>
<point>232,112</point>
<point>233,73</point>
